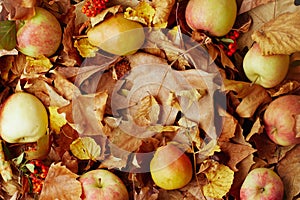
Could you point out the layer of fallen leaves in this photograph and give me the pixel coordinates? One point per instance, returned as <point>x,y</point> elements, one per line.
<point>114,112</point>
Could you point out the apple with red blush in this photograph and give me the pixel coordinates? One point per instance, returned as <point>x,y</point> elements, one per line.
<point>281,120</point>
<point>102,184</point>
<point>263,184</point>
<point>39,35</point>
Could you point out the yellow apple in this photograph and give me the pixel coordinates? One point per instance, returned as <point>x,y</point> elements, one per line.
<point>170,168</point>
<point>23,119</point>
<point>267,71</point>
<point>117,35</point>
<point>215,16</point>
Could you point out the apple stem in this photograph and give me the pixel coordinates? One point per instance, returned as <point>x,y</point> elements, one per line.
<point>253,82</point>
<point>79,37</point>
<point>99,183</point>
<point>262,190</point>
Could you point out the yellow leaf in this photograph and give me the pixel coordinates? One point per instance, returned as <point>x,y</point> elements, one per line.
<point>37,65</point>
<point>85,148</point>
<point>192,130</point>
<point>147,112</point>
<point>163,10</point>
<point>142,13</point>
<point>280,35</point>
<point>220,179</point>
<point>193,95</point>
<point>173,101</point>
<point>84,48</point>
<point>57,120</point>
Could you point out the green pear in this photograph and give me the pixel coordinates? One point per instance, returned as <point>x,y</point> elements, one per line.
<point>117,35</point>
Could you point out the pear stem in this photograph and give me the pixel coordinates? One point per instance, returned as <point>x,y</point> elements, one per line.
<point>253,82</point>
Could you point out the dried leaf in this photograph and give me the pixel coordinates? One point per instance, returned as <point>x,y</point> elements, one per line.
<point>288,170</point>
<point>85,49</point>
<point>229,127</point>
<point>7,35</point>
<point>257,128</point>
<point>57,120</point>
<point>192,131</point>
<point>163,10</point>
<point>220,179</point>
<point>37,65</point>
<point>20,9</point>
<point>147,112</point>
<point>248,5</point>
<point>85,148</point>
<point>101,16</point>
<point>61,183</point>
<point>142,13</point>
<point>236,153</point>
<point>279,36</point>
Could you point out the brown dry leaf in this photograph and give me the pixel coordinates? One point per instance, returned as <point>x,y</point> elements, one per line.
<point>69,55</point>
<point>191,129</point>
<point>193,190</point>
<point>257,128</point>
<point>20,9</point>
<point>215,51</point>
<point>252,96</point>
<point>248,5</point>
<point>101,16</point>
<point>288,86</point>
<point>64,87</point>
<point>86,112</point>
<point>268,150</point>
<point>279,36</point>
<point>61,183</point>
<point>243,169</point>
<point>145,194</point>
<point>236,153</point>
<point>163,10</point>
<point>220,179</point>
<point>147,111</point>
<point>288,170</point>
<point>230,124</point>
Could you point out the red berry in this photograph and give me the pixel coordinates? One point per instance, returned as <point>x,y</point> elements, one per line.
<point>236,34</point>
<point>229,53</point>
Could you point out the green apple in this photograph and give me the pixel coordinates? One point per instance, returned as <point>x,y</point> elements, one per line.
<point>23,119</point>
<point>215,16</point>
<point>170,168</point>
<point>267,71</point>
<point>102,184</point>
<point>40,35</point>
<point>263,184</point>
<point>280,120</point>
<point>117,35</point>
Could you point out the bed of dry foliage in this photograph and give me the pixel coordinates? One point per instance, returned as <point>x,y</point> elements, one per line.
<point>218,118</point>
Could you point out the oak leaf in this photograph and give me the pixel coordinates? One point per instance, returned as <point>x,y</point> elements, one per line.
<point>61,183</point>
<point>280,35</point>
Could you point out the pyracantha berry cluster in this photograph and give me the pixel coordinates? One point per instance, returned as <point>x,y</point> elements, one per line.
<point>230,46</point>
<point>37,177</point>
<point>93,7</point>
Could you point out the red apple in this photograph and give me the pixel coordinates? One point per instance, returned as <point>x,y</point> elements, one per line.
<point>280,120</point>
<point>262,184</point>
<point>103,185</point>
<point>215,16</point>
<point>171,168</point>
<point>39,35</point>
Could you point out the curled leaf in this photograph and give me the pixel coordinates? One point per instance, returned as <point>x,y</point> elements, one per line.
<point>280,35</point>
<point>220,179</point>
<point>85,148</point>
<point>142,13</point>
<point>163,10</point>
<point>85,48</point>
